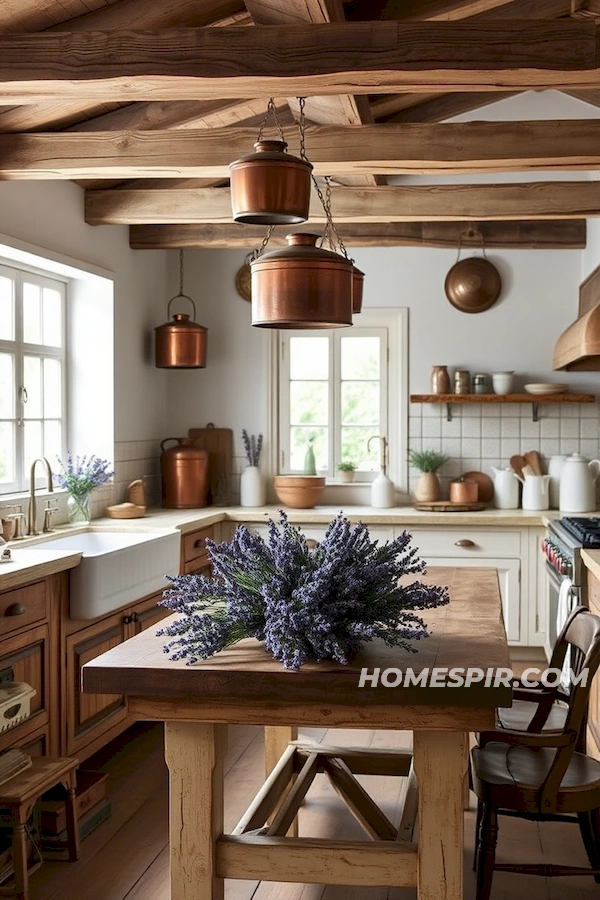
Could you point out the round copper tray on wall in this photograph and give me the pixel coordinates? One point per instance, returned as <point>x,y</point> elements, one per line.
<point>473,285</point>
<point>243,280</point>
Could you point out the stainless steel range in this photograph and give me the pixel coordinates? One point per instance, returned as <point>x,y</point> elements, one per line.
<point>566,582</point>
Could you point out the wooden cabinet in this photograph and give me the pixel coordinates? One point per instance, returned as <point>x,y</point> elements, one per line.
<point>194,554</point>
<point>593,727</point>
<point>91,720</point>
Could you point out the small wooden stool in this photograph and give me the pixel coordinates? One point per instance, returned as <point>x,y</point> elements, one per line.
<point>20,794</point>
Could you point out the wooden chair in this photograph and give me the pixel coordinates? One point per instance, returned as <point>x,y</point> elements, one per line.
<point>539,708</point>
<point>540,775</point>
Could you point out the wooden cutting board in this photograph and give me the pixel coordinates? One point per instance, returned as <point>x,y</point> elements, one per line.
<point>219,443</point>
<point>446,506</point>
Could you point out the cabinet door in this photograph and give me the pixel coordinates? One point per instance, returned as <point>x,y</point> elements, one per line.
<point>509,571</point>
<point>28,655</point>
<point>593,746</point>
<point>90,716</point>
<point>147,613</point>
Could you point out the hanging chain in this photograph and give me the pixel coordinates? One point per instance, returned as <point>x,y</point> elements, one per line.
<point>271,112</point>
<point>181,273</point>
<point>302,129</point>
<point>472,232</point>
<point>260,250</point>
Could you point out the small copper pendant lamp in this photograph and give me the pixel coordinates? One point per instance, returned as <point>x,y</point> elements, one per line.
<point>270,186</point>
<point>180,343</point>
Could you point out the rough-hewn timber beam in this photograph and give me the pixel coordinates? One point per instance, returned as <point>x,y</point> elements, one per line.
<point>307,60</point>
<point>563,235</point>
<point>407,203</point>
<point>457,147</point>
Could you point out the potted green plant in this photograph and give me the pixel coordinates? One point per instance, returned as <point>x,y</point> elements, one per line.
<point>427,488</point>
<point>346,470</point>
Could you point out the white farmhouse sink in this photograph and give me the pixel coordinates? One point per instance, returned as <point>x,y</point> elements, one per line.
<point>116,567</point>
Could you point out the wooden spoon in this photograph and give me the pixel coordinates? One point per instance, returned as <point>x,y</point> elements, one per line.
<point>517,462</point>
<point>532,458</point>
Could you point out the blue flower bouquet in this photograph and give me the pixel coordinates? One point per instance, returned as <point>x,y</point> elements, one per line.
<point>304,603</point>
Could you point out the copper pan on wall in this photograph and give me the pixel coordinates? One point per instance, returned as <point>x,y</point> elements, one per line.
<point>473,285</point>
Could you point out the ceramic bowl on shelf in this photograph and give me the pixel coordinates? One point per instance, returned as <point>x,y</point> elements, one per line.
<point>546,388</point>
<point>299,491</point>
<point>502,382</point>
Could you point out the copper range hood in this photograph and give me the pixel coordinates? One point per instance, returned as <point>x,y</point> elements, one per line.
<point>578,348</point>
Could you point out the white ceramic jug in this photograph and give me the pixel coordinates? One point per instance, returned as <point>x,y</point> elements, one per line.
<point>506,489</point>
<point>578,484</point>
<point>535,492</point>
<point>554,469</point>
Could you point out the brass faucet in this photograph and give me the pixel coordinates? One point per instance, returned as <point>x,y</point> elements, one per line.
<point>31,509</point>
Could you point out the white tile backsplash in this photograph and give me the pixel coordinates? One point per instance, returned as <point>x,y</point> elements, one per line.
<point>484,435</point>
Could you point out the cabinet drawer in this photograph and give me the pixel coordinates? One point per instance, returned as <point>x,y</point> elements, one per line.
<point>23,606</point>
<point>463,543</point>
<point>194,543</point>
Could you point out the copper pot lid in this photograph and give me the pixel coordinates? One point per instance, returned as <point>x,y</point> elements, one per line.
<point>271,151</point>
<point>473,285</point>
<point>301,247</point>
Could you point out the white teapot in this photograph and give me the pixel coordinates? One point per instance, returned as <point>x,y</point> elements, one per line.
<point>506,488</point>
<point>577,491</point>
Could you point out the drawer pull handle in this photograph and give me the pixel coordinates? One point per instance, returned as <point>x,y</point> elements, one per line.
<point>16,609</point>
<point>465,542</point>
<point>199,543</point>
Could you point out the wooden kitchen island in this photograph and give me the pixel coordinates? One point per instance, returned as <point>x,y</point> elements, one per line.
<point>244,685</point>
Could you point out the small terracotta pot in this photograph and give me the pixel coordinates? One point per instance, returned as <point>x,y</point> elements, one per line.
<point>427,488</point>
<point>345,476</point>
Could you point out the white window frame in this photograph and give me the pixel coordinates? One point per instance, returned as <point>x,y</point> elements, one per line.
<point>19,348</point>
<point>395,322</point>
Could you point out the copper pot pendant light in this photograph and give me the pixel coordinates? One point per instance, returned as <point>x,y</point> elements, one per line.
<point>301,286</point>
<point>181,343</point>
<point>270,186</point>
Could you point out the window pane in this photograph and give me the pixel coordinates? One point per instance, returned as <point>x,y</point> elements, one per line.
<point>32,313</point>
<point>309,403</point>
<point>33,442</point>
<point>7,385</point>
<point>354,448</point>
<point>360,403</point>
<point>7,309</point>
<point>32,376</point>
<point>52,317</point>
<point>309,358</point>
<point>360,357</point>
<point>52,388</point>
<point>299,438</point>
<point>52,442</point>
<point>7,452</point>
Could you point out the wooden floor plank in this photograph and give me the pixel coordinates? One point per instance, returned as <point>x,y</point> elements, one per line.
<point>127,858</point>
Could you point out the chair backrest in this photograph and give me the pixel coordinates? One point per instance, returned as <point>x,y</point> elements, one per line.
<point>564,650</point>
<point>582,635</point>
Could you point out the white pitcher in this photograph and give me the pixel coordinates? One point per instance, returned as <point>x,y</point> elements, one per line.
<point>578,484</point>
<point>554,469</point>
<point>536,491</point>
<point>506,488</point>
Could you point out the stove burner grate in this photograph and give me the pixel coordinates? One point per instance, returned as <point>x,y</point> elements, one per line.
<point>585,529</point>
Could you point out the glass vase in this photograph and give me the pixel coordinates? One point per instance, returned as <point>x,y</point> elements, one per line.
<point>78,509</point>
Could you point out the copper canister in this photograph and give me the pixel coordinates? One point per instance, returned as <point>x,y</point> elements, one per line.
<point>184,471</point>
<point>270,187</point>
<point>301,286</point>
<point>181,343</point>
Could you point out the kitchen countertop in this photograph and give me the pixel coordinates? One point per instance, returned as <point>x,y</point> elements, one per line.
<point>29,564</point>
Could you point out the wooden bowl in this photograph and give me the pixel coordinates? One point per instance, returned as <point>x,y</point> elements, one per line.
<point>299,491</point>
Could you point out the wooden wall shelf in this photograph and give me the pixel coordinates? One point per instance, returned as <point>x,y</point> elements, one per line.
<point>534,399</point>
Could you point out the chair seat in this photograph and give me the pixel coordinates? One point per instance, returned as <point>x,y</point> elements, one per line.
<point>518,716</point>
<point>510,776</point>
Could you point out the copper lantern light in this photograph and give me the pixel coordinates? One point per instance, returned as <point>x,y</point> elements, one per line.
<point>181,343</point>
<point>270,186</point>
<point>301,286</point>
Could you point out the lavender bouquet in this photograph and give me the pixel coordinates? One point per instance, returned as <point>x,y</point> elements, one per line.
<point>82,475</point>
<point>252,446</point>
<point>317,604</point>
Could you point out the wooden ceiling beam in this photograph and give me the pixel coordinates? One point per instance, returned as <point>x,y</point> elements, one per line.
<point>563,235</point>
<point>448,148</point>
<point>342,109</point>
<point>430,107</point>
<point>539,200</point>
<point>303,60</point>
